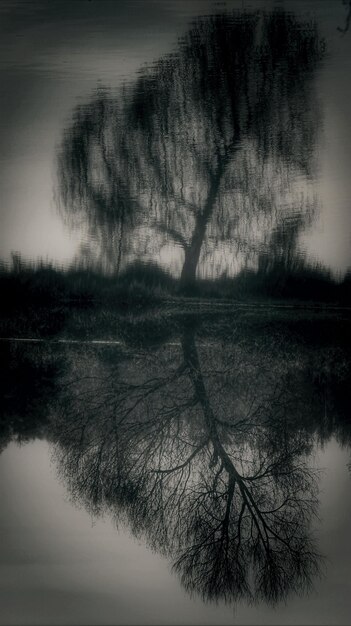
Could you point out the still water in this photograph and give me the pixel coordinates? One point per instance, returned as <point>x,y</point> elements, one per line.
<point>59,567</point>
<point>201,477</point>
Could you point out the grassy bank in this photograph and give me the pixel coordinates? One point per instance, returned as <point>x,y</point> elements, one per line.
<point>41,283</point>
<point>41,300</point>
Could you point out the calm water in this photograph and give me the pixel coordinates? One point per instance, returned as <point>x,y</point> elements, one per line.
<point>198,472</point>
<point>194,466</point>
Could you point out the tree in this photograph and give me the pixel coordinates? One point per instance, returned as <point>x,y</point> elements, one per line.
<point>203,146</point>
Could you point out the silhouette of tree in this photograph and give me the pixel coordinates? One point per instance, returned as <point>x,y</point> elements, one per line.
<point>202,147</point>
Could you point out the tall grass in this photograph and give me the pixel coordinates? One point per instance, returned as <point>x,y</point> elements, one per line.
<point>40,284</point>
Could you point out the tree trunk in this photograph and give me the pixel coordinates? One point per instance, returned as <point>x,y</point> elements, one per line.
<point>191,359</point>
<point>192,251</point>
<point>192,255</point>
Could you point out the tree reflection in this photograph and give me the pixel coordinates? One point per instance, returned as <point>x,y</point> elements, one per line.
<point>199,462</point>
<point>201,150</point>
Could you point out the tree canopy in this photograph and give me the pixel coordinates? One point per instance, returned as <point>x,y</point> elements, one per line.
<point>199,149</point>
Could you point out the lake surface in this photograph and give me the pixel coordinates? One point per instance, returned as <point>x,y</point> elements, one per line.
<point>196,473</point>
<point>175,324</point>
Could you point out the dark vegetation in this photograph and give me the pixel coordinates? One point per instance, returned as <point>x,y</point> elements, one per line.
<point>41,300</point>
<point>29,383</point>
<point>24,284</point>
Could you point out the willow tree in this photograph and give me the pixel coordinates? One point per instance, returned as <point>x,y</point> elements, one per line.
<point>203,145</point>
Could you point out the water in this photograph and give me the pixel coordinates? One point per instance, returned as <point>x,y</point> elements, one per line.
<point>175,327</point>
<point>178,476</point>
<point>71,571</point>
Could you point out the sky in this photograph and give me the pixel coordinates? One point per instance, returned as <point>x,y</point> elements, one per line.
<point>54,54</point>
